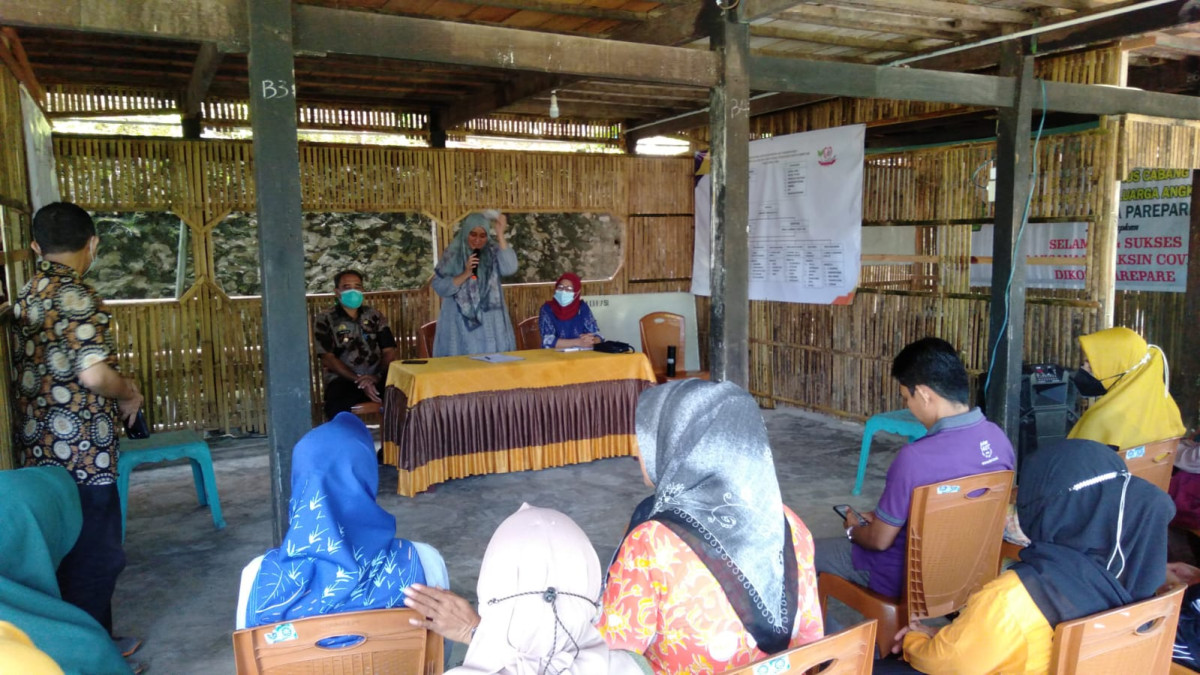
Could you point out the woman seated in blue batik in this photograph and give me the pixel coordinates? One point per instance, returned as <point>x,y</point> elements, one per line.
<point>340,553</point>
<point>567,321</point>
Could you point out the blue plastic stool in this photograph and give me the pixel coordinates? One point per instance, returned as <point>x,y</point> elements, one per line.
<point>165,447</point>
<point>897,422</point>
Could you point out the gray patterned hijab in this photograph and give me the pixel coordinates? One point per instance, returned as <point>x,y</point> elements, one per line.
<point>482,293</point>
<point>705,448</point>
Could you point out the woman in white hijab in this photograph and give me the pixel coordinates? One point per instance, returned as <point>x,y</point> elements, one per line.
<point>539,594</point>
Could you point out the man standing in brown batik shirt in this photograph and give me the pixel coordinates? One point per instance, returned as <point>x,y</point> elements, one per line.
<point>70,397</point>
<point>355,346</point>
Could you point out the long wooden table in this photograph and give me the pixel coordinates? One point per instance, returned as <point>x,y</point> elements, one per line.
<point>456,416</point>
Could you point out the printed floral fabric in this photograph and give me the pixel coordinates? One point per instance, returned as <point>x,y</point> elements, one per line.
<point>662,601</point>
<point>554,329</point>
<point>62,330</point>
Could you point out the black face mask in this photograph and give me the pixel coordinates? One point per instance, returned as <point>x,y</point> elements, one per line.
<point>1087,384</point>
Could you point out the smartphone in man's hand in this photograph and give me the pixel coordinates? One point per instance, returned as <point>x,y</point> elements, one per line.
<point>844,510</point>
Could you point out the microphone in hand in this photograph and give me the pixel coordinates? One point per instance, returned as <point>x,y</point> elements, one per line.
<point>476,254</point>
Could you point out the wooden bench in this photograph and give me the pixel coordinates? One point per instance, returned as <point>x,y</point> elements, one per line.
<point>165,447</point>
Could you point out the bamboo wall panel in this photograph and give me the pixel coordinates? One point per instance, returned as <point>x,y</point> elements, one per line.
<point>647,180</point>
<point>1158,143</point>
<point>835,359</point>
<point>14,223</point>
<point>199,358</point>
<point>660,247</point>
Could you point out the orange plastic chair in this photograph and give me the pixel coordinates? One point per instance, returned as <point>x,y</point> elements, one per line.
<point>386,643</point>
<point>1135,638</point>
<point>660,330</point>
<point>845,653</point>
<point>954,532</point>
<point>529,336</point>
<point>425,335</point>
<point>1153,461</point>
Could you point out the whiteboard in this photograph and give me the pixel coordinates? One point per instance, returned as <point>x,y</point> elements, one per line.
<point>618,316</point>
<point>805,219</point>
<point>39,153</point>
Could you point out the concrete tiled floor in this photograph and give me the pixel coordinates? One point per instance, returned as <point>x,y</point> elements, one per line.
<point>179,591</point>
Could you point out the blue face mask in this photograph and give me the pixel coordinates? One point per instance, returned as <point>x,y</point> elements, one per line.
<point>564,298</point>
<point>351,298</point>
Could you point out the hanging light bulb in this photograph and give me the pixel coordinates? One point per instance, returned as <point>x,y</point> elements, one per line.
<point>554,105</point>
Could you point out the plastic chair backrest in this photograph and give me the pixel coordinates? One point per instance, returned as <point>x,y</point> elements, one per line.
<point>386,644</point>
<point>425,335</point>
<point>529,335</point>
<point>1136,638</point>
<point>1153,461</point>
<point>850,652</point>
<point>955,528</point>
<point>660,330</point>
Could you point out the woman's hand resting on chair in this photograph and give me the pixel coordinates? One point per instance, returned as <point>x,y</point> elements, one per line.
<point>445,613</point>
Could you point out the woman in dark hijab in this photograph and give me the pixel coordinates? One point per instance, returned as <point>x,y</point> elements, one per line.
<point>1099,541</point>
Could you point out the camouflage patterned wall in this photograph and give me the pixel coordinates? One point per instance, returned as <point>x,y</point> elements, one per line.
<point>548,244</point>
<point>136,258</point>
<point>393,250</point>
<point>137,255</point>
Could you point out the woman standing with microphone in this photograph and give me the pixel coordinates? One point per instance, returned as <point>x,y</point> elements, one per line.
<point>474,317</point>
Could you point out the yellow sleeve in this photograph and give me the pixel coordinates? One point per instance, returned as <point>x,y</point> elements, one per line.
<point>985,638</point>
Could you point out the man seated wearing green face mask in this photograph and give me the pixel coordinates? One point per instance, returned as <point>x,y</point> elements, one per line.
<point>355,346</point>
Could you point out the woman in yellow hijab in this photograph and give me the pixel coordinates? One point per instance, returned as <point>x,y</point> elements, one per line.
<point>1131,379</point>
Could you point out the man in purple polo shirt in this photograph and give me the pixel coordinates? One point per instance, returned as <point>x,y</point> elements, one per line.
<point>961,442</point>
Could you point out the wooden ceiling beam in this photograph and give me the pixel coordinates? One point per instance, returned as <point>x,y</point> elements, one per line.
<point>208,60</point>
<point>1177,77</point>
<point>220,21</point>
<point>773,30</point>
<point>859,81</point>
<point>885,22</point>
<point>1136,22</point>
<point>678,24</point>
<point>699,118</point>
<point>317,29</point>
<point>585,11</point>
<point>1190,45</point>
<point>498,97</point>
<point>947,10</point>
<point>573,110</point>
<point>13,55</point>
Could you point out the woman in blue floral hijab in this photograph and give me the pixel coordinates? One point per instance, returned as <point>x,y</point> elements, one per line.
<point>340,553</point>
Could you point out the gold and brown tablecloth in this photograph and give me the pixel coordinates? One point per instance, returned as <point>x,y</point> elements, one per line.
<point>456,416</point>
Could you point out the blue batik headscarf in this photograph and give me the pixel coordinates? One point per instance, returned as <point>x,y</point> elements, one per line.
<point>482,293</point>
<point>340,553</point>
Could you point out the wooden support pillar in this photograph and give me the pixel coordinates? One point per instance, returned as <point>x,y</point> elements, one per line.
<point>1187,370</point>
<point>729,119</point>
<point>437,129</point>
<point>1014,161</point>
<point>281,247</point>
<point>208,60</point>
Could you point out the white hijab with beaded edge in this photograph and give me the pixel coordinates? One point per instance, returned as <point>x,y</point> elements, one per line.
<point>520,633</point>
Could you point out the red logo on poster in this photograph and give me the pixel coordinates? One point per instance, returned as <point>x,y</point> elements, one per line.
<point>825,156</point>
